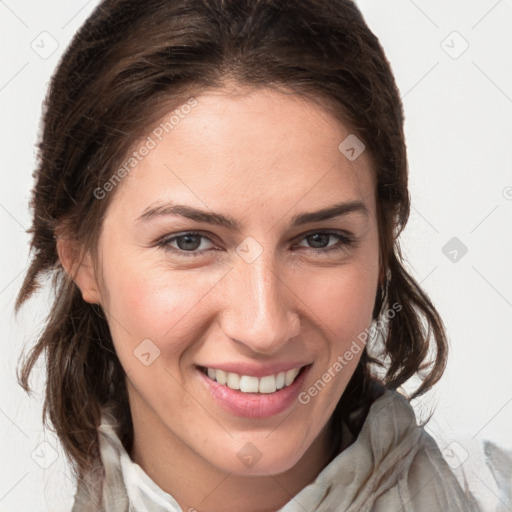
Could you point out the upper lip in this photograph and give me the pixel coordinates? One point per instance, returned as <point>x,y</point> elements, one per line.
<point>255,370</point>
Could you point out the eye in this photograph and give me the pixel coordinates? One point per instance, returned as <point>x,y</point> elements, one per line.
<point>187,243</point>
<point>320,241</point>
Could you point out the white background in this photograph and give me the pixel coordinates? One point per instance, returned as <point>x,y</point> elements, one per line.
<point>459,137</point>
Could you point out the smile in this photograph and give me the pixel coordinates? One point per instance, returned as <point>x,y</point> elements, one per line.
<point>251,384</point>
<point>250,396</point>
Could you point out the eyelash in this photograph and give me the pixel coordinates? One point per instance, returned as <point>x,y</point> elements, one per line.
<point>347,241</point>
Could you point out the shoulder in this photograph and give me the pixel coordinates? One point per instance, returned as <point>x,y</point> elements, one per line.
<point>393,464</point>
<point>418,477</point>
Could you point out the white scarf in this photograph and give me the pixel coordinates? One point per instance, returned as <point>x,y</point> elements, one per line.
<point>393,465</point>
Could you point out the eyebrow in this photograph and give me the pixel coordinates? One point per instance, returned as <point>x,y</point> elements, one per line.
<point>189,212</point>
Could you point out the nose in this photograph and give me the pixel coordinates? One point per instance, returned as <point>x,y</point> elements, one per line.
<point>260,308</point>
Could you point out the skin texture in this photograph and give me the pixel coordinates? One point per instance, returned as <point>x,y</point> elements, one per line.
<point>261,157</point>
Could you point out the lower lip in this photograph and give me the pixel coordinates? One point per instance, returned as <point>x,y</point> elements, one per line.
<point>254,405</point>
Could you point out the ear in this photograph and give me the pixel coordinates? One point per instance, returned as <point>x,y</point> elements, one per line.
<point>382,277</point>
<point>80,268</point>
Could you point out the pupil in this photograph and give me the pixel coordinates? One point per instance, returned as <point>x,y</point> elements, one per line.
<point>324,237</point>
<point>186,246</point>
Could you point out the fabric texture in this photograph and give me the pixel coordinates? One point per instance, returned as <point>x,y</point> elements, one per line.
<point>392,465</point>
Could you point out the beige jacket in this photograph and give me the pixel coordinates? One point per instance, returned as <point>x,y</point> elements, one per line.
<point>392,466</point>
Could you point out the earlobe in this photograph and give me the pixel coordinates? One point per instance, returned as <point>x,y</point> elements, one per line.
<point>80,268</point>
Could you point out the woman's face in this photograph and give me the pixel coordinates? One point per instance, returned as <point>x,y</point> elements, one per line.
<point>263,287</point>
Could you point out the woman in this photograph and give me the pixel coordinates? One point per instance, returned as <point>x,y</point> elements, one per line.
<point>219,194</point>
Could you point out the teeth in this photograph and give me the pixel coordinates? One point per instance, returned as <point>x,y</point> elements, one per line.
<point>267,384</point>
<point>233,380</point>
<point>280,378</point>
<point>221,376</point>
<point>250,384</point>
<point>290,376</point>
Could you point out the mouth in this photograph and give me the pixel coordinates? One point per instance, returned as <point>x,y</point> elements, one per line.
<point>251,396</point>
<point>251,384</point>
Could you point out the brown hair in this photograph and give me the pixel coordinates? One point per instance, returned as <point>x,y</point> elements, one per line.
<point>131,62</point>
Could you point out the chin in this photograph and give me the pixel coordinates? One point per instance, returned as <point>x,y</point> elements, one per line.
<point>258,457</point>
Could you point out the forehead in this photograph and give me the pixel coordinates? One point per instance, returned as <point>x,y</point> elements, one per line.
<point>249,147</point>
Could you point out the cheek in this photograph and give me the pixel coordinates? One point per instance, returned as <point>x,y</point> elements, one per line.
<point>342,303</point>
<point>342,300</point>
<point>343,306</point>
<point>156,303</point>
